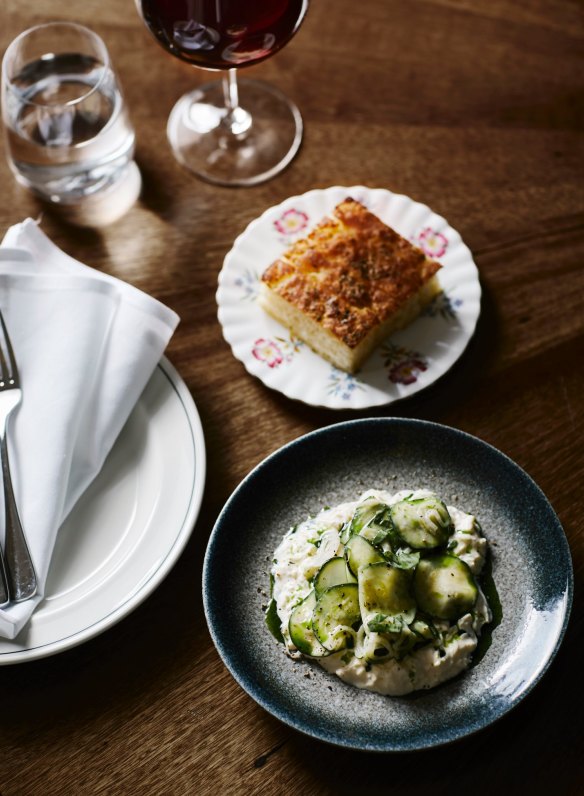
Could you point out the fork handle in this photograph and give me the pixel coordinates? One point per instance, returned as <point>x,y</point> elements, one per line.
<point>4,596</point>
<point>21,577</point>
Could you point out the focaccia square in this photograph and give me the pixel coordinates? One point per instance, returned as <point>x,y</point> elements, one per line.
<point>348,285</point>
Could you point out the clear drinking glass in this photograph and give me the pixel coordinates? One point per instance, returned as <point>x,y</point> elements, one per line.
<point>68,134</point>
<point>229,132</point>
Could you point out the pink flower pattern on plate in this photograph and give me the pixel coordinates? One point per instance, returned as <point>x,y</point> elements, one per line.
<point>267,351</point>
<point>291,222</point>
<point>432,243</point>
<point>276,352</point>
<point>404,365</point>
<point>407,371</point>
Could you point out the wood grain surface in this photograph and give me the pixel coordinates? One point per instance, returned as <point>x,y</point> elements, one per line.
<point>472,107</point>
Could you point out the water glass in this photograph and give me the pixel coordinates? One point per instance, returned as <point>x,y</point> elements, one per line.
<point>68,135</point>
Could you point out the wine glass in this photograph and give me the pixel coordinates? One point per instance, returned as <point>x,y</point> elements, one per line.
<point>229,132</point>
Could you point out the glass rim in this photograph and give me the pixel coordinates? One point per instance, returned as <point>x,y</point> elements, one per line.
<point>100,46</point>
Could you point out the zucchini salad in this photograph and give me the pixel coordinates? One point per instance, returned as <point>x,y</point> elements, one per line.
<point>383,592</point>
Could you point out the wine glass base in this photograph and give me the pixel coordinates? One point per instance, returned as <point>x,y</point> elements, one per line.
<point>254,146</point>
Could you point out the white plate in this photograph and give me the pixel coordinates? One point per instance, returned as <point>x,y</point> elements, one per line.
<point>411,360</point>
<point>128,529</point>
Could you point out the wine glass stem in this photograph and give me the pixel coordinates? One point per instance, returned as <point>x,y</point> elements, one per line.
<point>230,90</point>
<point>237,120</point>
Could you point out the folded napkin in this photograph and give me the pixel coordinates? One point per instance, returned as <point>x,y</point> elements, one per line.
<point>86,345</point>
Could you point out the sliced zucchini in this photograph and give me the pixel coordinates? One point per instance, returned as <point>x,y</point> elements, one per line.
<point>372,520</point>
<point>364,513</point>
<point>424,629</point>
<point>380,646</point>
<point>328,546</point>
<point>332,572</point>
<point>385,597</point>
<point>405,643</point>
<point>300,628</point>
<point>345,532</point>
<point>359,552</point>
<point>422,523</point>
<point>444,587</point>
<point>380,652</point>
<point>336,615</point>
<point>380,527</point>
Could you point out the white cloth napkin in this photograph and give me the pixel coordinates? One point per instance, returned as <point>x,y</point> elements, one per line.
<point>86,345</point>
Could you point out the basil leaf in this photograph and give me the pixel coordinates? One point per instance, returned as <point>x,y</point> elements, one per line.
<point>273,622</point>
<point>404,559</point>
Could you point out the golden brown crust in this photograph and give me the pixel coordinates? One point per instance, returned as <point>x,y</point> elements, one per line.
<point>351,273</point>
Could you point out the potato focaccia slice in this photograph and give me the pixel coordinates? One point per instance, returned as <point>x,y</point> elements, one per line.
<point>348,285</point>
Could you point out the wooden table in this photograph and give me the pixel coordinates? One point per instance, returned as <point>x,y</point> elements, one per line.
<point>470,107</point>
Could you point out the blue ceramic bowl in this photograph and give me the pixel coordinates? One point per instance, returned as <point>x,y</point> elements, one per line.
<point>531,567</point>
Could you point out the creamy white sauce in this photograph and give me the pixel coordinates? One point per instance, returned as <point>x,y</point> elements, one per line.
<point>298,558</point>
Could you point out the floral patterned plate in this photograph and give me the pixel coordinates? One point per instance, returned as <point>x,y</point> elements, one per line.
<point>406,363</point>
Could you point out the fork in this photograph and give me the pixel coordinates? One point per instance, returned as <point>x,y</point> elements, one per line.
<point>20,577</point>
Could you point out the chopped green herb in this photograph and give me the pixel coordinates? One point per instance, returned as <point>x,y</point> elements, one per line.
<point>386,624</point>
<point>405,559</point>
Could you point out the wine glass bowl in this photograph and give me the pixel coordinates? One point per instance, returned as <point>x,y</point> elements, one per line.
<point>229,132</point>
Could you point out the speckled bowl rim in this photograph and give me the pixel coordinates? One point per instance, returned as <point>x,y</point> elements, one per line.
<point>264,697</point>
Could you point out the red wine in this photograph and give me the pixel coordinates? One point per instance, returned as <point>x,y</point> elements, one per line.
<point>222,34</point>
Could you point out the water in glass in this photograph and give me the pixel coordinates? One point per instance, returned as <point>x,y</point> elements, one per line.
<point>67,128</point>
